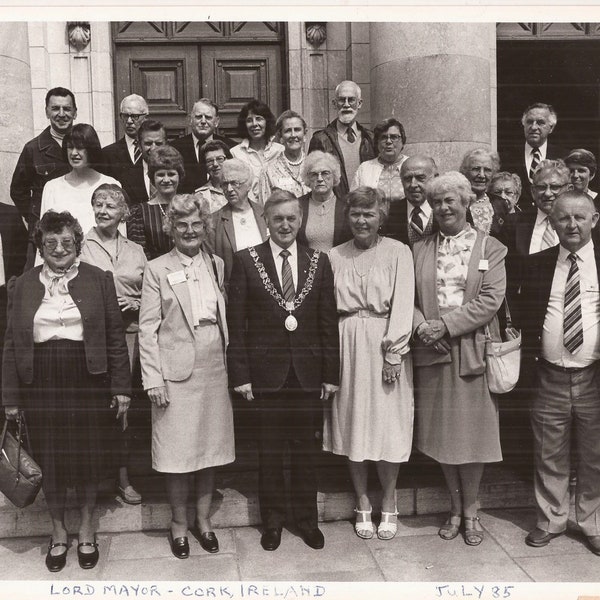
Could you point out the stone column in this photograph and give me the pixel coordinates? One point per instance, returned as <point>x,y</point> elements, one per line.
<point>435,78</point>
<point>16,111</point>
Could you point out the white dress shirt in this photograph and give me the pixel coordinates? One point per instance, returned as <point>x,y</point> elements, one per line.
<point>130,148</point>
<point>553,349</point>
<point>538,233</point>
<point>529,158</point>
<point>425,209</point>
<point>292,259</point>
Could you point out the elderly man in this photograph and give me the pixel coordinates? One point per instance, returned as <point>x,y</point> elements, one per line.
<point>284,352</point>
<point>204,121</point>
<point>240,223</point>
<point>539,121</point>
<point>344,137</point>
<point>123,159</point>
<point>411,219</point>
<point>559,313</point>
<point>42,159</point>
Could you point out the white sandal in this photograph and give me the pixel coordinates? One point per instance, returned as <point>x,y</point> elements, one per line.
<point>387,527</point>
<point>364,528</point>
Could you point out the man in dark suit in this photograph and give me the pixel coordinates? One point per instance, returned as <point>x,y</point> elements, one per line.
<point>539,121</point>
<point>411,219</point>
<point>528,232</point>
<point>123,159</point>
<point>42,158</point>
<point>558,311</point>
<point>345,137</point>
<point>284,351</point>
<point>204,121</point>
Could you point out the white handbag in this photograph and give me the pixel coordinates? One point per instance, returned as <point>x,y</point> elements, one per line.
<point>502,357</point>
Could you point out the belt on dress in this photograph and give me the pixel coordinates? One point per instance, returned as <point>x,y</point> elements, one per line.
<point>554,367</point>
<point>365,313</point>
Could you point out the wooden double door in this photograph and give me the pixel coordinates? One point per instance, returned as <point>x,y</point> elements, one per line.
<point>172,64</point>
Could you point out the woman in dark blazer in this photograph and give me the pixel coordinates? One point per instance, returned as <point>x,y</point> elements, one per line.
<point>65,364</point>
<point>324,222</point>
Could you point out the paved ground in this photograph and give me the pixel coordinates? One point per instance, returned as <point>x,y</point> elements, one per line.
<point>417,554</point>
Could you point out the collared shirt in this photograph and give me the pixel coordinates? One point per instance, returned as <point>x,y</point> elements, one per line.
<point>553,349</point>
<point>537,235</point>
<point>147,183</point>
<point>529,158</point>
<point>131,148</point>
<point>424,208</point>
<point>202,292</point>
<point>342,129</point>
<point>214,196</point>
<point>292,259</point>
<point>196,140</point>
<point>57,317</point>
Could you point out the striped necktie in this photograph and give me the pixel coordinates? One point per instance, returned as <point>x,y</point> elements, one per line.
<point>415,220</point>
<point>287,281</point>
<point>535,161</point>
<point>137,153</point>
<point>572,322</point>
<point>548,239</point>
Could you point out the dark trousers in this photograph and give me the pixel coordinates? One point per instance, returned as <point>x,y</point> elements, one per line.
<point>287,418</point>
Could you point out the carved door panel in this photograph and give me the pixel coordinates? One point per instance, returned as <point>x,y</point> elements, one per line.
<point>233,75</point>
<point>167,76</point>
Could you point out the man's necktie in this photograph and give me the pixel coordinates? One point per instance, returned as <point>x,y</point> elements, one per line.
<point>198,146</point>
<point>287,281</point>
<point>350,135</point>
<point>572,323</point>
<point>137,153</point>
<point>415,220</point>
<point>548,239</point>
<point>535,161</point>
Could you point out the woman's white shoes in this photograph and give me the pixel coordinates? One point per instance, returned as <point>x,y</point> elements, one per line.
<point>388,526</point>
<point>364,528</point>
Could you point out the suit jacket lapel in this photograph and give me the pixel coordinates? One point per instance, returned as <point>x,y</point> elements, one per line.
<point>303,265</point>
<point>546,274</point>
<point>227,221</point>
<point>525,227</point>
<point>266,257</point>
<point>180,290</point>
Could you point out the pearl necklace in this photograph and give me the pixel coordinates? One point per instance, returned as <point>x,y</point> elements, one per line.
<point>294,164</point>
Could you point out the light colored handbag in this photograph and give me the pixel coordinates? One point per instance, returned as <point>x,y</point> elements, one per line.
<point>502,357</point>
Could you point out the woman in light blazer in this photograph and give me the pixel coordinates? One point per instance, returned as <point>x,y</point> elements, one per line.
<point>183,337</point>
<point>458,290</point>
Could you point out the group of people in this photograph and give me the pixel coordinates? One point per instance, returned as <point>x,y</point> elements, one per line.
<point>349,289</point>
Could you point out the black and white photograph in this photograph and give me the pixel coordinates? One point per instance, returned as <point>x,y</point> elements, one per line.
<point>302,307</point>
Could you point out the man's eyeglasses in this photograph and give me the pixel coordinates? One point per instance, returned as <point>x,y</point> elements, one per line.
<point>342,100</point>
<point>53,244</point>
<point>134,117</point>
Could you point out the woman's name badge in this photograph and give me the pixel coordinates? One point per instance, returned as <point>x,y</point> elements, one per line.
<point>483,265</point>
<point>177,277</point>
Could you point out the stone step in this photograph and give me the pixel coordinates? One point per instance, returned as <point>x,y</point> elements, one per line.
<point>421,491</point>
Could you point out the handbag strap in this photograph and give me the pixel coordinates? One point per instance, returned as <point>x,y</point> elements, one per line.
<point>4,430</point>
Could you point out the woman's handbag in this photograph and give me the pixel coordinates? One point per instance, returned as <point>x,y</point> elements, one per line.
<point>20,475</point>
<point>502,357</point>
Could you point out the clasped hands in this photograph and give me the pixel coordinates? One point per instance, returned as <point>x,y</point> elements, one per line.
<point>327,391</point>
<point>431,333</point>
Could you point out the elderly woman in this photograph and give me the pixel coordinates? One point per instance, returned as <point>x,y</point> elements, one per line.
<point>458,290</point>
<point>240,223</point>
<point>109,250</point>
<point>479,166</point>
<point>324,223</point>
<point>256,127</point>
<point>285,172</point>
<point>582,165</point>
<point>213,154</point>
<point>73,191</point>
<point>383,172</point>
<point>65,364</point>
<point>183,336</point>
<point>504,191</point>
<point>145,224</point>
<point>372,413</point>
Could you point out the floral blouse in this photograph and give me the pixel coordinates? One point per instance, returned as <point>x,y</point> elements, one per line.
<point>482,213</point>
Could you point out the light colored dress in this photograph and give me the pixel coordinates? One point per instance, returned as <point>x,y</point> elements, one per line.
<point>59,195</point>
<point>371,419</point>
<point>279,173</point>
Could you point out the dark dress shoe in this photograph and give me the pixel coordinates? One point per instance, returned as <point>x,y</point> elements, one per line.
<point>56,562</point>
<point>594,543</point>
<point>209,542</point>
<point>87,560</point>
<point>271,538</point>
<point>538,538</point>
<point>179,546</point>
<point>313,538</point>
